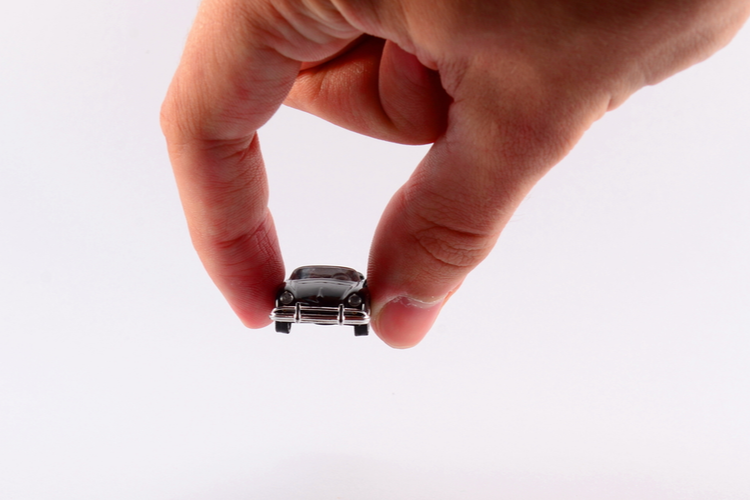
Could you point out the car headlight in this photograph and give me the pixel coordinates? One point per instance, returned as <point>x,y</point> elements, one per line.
<point>354,300</point>
<point>286,298</point>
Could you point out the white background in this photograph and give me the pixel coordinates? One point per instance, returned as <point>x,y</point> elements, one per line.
<point>601,352</point>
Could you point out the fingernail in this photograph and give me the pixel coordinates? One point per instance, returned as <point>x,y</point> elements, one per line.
<point>403,322</point>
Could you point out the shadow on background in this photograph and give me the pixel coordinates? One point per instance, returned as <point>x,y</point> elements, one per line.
<point>341,477</point>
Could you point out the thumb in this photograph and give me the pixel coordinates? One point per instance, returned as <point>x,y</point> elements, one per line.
<point>446,219</point>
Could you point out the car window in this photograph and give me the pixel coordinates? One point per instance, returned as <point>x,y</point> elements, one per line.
<point>329,273</point>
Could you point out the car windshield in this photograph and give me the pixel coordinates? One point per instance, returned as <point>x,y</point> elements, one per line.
<point>325,272</point>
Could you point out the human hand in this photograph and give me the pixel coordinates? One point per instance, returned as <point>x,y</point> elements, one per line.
<point>503,88</point>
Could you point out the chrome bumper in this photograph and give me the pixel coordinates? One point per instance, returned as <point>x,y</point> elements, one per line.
<point>340,315</point>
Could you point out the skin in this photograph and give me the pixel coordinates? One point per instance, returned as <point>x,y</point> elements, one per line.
<point>503,89</point>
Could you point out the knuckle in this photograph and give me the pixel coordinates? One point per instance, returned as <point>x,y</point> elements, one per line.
<point>169,117</point>
<point>181,115</point>
<point>237,253</point>
<point>454,248</point>
<point>301,30</point>
<point>453,232</point>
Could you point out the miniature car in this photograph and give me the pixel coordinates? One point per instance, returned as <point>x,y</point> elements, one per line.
<point>323,295</point>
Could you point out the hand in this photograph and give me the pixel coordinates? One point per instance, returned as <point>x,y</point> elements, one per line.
<point>503,88</point>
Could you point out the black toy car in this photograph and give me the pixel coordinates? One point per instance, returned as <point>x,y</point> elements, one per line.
<point>323,295</point>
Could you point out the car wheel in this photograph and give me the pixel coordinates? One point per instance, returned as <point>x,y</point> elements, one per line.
<point>360,330</point>
<point>283,327</point>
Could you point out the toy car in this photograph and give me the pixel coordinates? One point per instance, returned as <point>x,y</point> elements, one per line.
<point>323,295</point>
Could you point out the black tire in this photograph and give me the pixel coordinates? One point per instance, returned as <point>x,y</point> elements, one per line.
<point>361,330</point>
<point>283,327</point>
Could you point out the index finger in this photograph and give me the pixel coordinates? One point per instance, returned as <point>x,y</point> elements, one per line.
<point>240,62</point>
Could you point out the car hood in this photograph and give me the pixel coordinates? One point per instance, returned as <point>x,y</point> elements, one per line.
<point>322,292</point>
